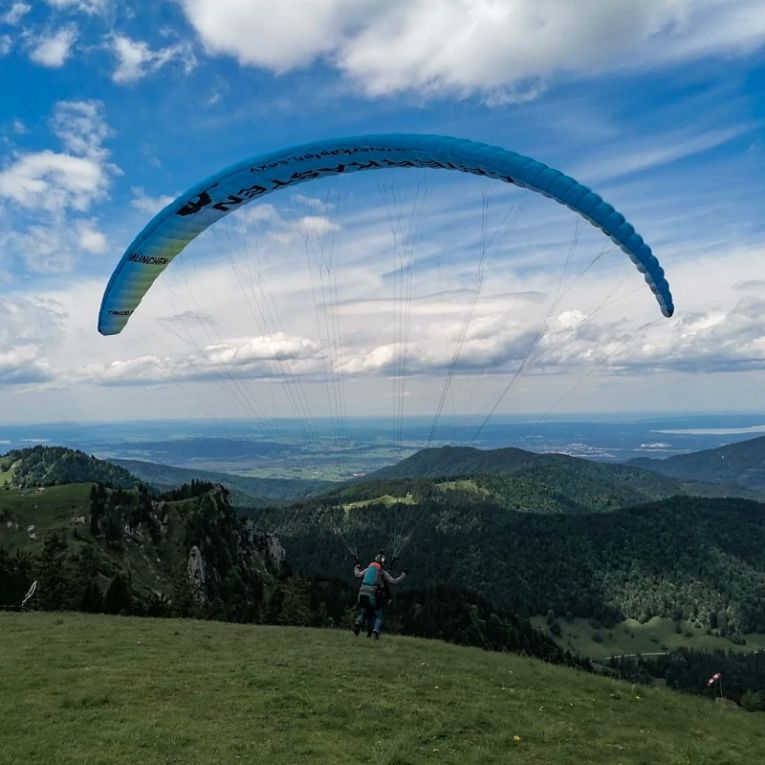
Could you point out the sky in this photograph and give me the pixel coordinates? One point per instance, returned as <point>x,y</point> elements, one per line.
<point>403,292</point>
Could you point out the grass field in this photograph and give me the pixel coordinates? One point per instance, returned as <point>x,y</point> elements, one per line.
<point>47,509</point>
<point>102,690</point>
<point>630,637</point>
<point>385,499</point>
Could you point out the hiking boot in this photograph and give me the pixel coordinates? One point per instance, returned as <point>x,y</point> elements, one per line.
<point>376,634</point>
<point>369,633</point>
<point>356,629</point>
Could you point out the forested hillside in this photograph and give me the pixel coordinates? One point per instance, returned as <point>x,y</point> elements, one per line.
<point>681,558</point>
<point>51,465</point>
<point>739,464</point>
<point>95,548</point>
<point>579,483</point>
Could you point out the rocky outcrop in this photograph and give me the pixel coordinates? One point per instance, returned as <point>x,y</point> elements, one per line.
<point>197,575</point>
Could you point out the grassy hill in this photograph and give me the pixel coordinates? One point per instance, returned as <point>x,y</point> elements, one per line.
<point>111,690</point>
<point>631,637</point>
<point>741,464</point>
<point>27,516</point>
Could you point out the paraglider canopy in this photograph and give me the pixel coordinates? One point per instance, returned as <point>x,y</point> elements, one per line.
<point>168,233</point>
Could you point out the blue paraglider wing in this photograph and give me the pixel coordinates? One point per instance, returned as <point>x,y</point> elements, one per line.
<point>181,221</point>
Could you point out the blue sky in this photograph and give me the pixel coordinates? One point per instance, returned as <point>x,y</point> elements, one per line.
<point>110,109</point>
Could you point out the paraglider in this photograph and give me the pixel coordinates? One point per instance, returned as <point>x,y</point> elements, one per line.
<point>168,233</point>
<point>374,594</point>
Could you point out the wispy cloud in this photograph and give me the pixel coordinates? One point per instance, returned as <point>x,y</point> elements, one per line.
<point>83,6</point>
<point>660,150</point>
<point>15,13</point>
<point>135,59</point>
<point>45,187</point>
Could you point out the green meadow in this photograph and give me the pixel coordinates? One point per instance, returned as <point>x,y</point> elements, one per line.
<point>657,635</point>
<point>100,690</point>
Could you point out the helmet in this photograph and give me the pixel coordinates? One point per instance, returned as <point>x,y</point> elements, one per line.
<point>380,558</point>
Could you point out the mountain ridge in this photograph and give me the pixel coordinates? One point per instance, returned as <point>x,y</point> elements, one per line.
<point>741,463</point>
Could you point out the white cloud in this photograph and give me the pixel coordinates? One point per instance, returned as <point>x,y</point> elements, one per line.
<point>276,35</point>
<point>6,45</point>
<point>15,13</point>
<point>40,191</point>
<point>314,203</point>
<point>147,203</point>
<point>500,50</point>
<point>81,127</point>
<point>662,150</point>
<point>255,357</point>
<point>54,182</point>
<point>52,246</point>
<point>29,328</point>
<point>84,6</point>
<point>89,238</point>
<point>317,225</point>
<point>44,249</point>
<point>22,364</point>
<point>53,51</point>
<point>135,59</point>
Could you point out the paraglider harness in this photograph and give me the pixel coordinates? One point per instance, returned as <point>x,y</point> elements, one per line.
<point>374,591</point>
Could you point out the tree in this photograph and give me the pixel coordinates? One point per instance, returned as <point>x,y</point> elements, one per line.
<point>296,603</point>
<point>118,599</point>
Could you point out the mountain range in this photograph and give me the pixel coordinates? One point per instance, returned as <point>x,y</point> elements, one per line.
<point>533,533</point>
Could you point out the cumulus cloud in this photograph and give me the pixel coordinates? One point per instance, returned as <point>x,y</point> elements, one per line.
<point>6,45</point>
<point>45,187</point>
<point>54,182</point>
<point>256,357</point>
<point>58,181</point>
<point>278,36</point>
<point>53,51</point>
<point>89,238</point>
<point>15,13</point>
<point>135,59</point>
<point>717,340</point>
<point>502,51</point>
